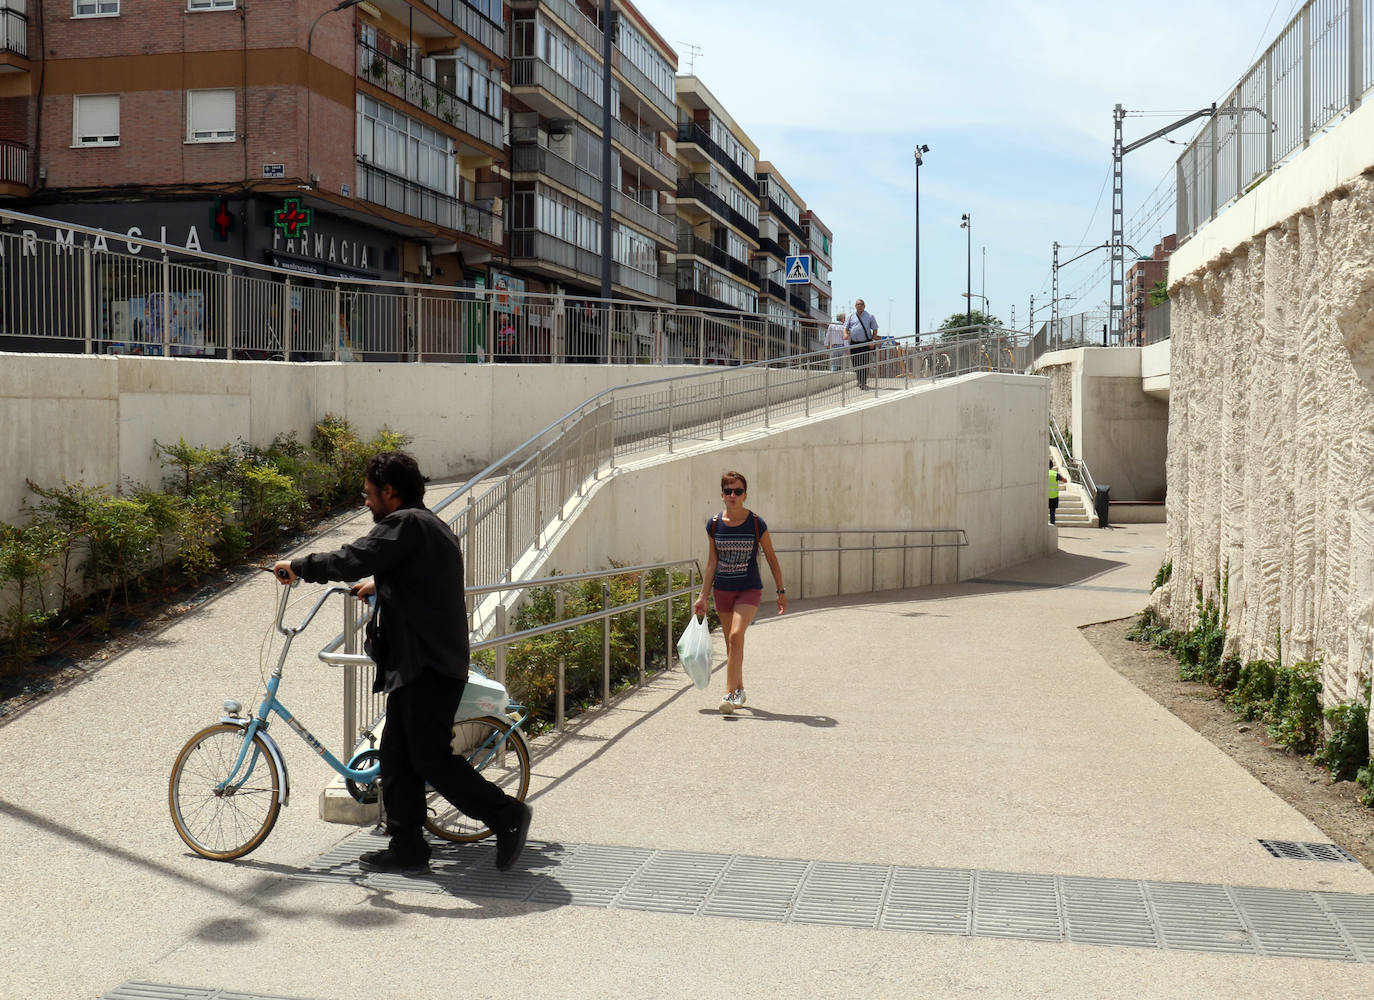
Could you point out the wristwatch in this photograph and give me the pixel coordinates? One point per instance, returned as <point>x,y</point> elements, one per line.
<point>783,590</point>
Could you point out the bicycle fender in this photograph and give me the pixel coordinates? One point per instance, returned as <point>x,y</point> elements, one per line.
<point>272,749</point>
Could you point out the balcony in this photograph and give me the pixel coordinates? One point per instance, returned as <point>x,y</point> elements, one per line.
<point>381,187</point>
<point>690,187</point>
<point>768,286</point>
<point>535,247</point>
<point>403,82</point>
<point>14,33</point>
<point>716,255</point>
<point>694,133</point>
<point>529,72</point>
<point>488,34</point>
<point>530,158</point>
<point>14,168</point>
<point>774,209</point>
<point>643,149</point>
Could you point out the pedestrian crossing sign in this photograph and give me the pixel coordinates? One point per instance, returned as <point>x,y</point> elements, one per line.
<point>798,269</point>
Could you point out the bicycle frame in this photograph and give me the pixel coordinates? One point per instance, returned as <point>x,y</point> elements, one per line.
<point>270,705</point>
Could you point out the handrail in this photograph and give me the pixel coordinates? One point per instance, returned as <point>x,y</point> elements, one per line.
<point>958,539</point>
<point>1076,466</point>
<point>361,706</point>
<point>504,512</point>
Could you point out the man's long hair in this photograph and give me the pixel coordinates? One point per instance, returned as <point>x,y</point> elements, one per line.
<point>401,472</point>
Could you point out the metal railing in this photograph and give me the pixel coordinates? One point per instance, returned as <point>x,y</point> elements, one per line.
<point>820,543</point>
<point>362,708</point>
<point>1078,469</point>
<point>642,147</point>
<point>1157,327</point>
<point>14,32</point>
<point>14,162</point>
<point>401,81</point>
<point>692,187</point>
<point>89,291</point>
<point>694,133</point>
<point>400,194</point>
<point>690,243</point>
<point>504,513</point>
<point>1318,70</point>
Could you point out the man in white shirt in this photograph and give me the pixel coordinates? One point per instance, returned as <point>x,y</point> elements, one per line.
<point>835,338</point>
<point>862,329</point>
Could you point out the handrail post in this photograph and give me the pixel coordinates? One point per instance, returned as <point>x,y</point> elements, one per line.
<point>806,391</point>
<point>538,496</point>
<point>335,325</point>
<point>468,515</point>
<point>286,321</point>
<point>509,514</point>
<point>605,645</point>
<point>501,649</point>
<point>88,295</point>
<point>906,550</point>
<point>562,470</point>
<point>166,307</point>
<point>801,570</point>
<point>228,325</point>
<point>350,691</point>
<point>766,394</point>
<point>641,628</point>
<point>670,418</point>
<point>873,564</point>
<point>722,407</point>
<point>559,602</point>
<point>839,563</point>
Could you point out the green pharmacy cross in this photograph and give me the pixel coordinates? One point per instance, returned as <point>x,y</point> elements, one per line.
<point>291,218</point>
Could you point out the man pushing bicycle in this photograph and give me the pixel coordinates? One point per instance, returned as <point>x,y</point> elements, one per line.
<point>419,640</point>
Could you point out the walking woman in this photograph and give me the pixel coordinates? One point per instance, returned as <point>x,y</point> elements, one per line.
<point>732,570</point>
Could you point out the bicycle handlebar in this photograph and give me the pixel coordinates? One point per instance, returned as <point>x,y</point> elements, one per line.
<point>292,631</point>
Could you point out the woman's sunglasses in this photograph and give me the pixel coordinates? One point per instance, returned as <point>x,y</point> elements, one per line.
<point>732,491</point>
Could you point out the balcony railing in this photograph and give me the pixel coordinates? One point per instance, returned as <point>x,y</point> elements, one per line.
<point>694,133</point>
<point>529,71</point>
<point>690,187</point>
<point>14,32</point>
<point>533,245</point>
<point>793,226</point>
<point>637,79</point>
<point>400,194</point>
<point>643,148</point>
<point>567,12</point>
<point>14,162</point>
<point>531,158</point>
<point>487,33</point>
<point>716,255</point>
<point>403,82</point>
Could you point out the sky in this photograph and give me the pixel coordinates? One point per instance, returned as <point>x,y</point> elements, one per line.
<point>1014,100</point>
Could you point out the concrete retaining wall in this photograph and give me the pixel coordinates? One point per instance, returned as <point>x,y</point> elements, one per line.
<point>968,453</point>
<point>94,418</point>
<point>1118,429</point>
<point>1271,437</point>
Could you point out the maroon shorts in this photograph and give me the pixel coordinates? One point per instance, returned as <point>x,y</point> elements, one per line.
<point>727,599</point>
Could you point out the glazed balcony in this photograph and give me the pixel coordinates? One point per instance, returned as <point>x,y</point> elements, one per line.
<point>401,81</point>
<point>400,194</point>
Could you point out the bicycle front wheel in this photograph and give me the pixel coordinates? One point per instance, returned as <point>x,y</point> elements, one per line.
<point>498,751</point>
<point>217,820</point>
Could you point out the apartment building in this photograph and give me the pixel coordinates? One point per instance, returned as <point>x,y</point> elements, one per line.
<point>358,139</point>
<point>780,236</point>
<point>819,244</point>
<point>557,122</point>
<point>1141,277</point>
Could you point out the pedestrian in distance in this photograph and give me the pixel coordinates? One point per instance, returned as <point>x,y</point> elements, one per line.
<point>732,577</point>
<point>1055,480</point>
<point>418,638</point>
<point>862,328</point>
<point>836,337</point>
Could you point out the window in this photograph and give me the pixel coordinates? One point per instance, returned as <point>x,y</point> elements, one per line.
<point>95,8</point>
<point>210,116</point>
<point>210,4</point>
<point>95,120</point>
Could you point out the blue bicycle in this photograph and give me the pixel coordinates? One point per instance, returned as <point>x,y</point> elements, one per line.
<point>229,781</point>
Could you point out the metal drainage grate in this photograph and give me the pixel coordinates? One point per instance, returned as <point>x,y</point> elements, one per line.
<point>159,991</point>
<point>1294,850</point>
<point>1028,907</point>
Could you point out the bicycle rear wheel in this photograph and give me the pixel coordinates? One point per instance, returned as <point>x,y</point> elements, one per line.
<point>224,823</point>
<point>505,764</point>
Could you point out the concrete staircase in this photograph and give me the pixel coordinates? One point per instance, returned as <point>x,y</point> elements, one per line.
<point>1072,512</point>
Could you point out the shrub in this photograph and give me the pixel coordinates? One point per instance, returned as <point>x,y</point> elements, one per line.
<point>1347,748</point>
<point>1163,575</point>
<point>26,555</point>
<point>1254,689</point>
<point>1294,717</point>
<point>1199,649</point>
<point>121,536</point>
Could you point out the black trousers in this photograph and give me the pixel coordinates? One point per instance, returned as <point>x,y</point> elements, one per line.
<point>860,358</point>
<point>416,748</point>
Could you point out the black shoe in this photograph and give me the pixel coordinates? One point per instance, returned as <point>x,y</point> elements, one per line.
<point>510,840</point>
<point>389,861</point>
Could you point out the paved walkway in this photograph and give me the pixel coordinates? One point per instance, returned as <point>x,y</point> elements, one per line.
<point>964,742</point>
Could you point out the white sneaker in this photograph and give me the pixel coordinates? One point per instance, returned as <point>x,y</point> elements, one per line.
<point>739,698</point>
<point>727,704</point>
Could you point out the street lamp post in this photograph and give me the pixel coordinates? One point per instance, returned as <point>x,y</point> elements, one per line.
<point>968,292</point>
<point>919,151</point>
<point>309,78</point>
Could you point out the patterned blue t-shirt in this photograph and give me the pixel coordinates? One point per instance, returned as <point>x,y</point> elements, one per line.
<point>737,552</point>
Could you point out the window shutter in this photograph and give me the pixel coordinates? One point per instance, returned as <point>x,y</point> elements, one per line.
<point>96,120</point>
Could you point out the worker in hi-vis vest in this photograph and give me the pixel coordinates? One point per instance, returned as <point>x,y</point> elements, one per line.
<point>1055,480</point>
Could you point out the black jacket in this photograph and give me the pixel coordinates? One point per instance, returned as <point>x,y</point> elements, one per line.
<point>418,568</point>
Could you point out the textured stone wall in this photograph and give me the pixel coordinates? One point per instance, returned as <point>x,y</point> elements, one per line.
<point>1271,439</point>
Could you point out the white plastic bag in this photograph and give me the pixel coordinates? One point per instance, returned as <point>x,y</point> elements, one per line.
<point>694,650</point>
